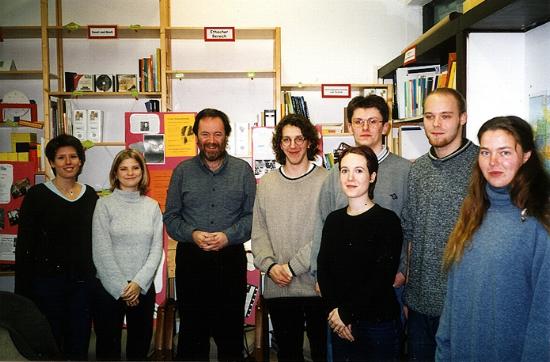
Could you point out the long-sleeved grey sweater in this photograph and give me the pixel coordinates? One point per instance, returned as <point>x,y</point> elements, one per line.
<point>126,240</point>
<point>437,187</point>
<point>282,228</point>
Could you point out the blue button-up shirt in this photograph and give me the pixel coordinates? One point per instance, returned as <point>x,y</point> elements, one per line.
<point>212,201</point>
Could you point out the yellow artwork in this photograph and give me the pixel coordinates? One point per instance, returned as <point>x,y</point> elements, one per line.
<point>179,136</point>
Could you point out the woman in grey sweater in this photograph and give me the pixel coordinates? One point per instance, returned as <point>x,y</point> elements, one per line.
<point>127,249</point>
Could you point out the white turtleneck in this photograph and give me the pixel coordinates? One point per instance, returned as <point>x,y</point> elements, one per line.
<point>126,240</point>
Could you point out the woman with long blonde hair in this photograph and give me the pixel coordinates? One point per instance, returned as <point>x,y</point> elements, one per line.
<point>498,255</point>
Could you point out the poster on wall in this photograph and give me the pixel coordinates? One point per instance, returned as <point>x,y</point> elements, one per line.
<point>165,139</point>
<point>539,117</point>
<point>263,157</point>
<point>16,178</point>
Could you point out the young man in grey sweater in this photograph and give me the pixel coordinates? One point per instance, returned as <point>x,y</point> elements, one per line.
<point>437,186</point>
<point>282,232</point>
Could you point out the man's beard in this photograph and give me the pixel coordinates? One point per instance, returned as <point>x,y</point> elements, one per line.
<point>213,154</point>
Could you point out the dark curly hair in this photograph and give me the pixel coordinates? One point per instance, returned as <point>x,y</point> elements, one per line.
<point>309,132</point>
<point>65,140</point>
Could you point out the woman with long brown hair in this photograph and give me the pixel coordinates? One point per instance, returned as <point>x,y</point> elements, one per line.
<point>498,255</point>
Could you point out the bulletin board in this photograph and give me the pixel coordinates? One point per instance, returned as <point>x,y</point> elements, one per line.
<point>165,139</point>
<point>15,179</point>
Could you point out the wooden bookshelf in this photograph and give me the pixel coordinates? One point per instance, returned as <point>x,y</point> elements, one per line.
<point>104,94</point>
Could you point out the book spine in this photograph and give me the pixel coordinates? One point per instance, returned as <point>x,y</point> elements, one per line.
<point>151,73</point>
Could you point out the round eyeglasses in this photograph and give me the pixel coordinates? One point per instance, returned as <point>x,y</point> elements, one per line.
<point>298,141</point>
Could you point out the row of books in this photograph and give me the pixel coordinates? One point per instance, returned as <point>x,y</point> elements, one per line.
<point>413,84</point>
<point>149,73</point>
<point>295,104</point>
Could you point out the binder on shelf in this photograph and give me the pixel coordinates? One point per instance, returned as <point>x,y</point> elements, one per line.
<point>80,122</point>
<point>451,67</point>
<point>412,87</point>
<point>95,125</point>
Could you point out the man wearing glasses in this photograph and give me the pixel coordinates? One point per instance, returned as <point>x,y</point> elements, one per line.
<point>368,117</point>
<point>282,233</point>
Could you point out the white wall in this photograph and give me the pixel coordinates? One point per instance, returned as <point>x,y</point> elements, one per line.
<point>504,70</point>
<point>495,78</point>
<point>323,41</point>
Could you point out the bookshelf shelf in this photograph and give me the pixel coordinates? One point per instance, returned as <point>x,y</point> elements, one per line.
<point>20,32</point>
<point>123,32</point>
<point>317,87</point>
<point>405,121</point>
<point>104,95</point>
<point>175,32</point>
<point>434,49</point>
<point>23,74</point>
<point>110,144</point>
<point>194,74</point>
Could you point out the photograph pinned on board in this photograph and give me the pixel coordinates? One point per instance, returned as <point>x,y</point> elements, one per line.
<point>13,217</point>
<point>261,167</point>
<point>20,187</point>
<point>154,148</point>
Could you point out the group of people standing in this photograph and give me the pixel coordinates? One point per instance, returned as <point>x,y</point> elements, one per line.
<point>456,244</point>
<point>82,259</point>
<point>464,230</point>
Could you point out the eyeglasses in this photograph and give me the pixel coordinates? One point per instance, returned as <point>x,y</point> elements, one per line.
<point>298,141</point>
<point>361,122</point>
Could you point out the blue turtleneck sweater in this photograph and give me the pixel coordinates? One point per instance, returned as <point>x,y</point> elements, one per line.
<point>498,296</point>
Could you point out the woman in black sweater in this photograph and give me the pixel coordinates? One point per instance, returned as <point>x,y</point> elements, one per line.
<point>357,262</point>
<point>53,255</point>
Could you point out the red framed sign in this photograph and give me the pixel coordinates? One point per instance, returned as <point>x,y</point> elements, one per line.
<point>336,90</point>
<point>102,32</point>
<point>8,111</point>
<point>219,33</point>
<point>410,56</point>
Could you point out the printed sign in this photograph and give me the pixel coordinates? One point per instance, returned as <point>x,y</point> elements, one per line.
<point>102,31</point>
<point>219,34</point>
<point>336,90</point>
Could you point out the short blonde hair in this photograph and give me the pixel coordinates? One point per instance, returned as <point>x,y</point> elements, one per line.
<point>124,155</point>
